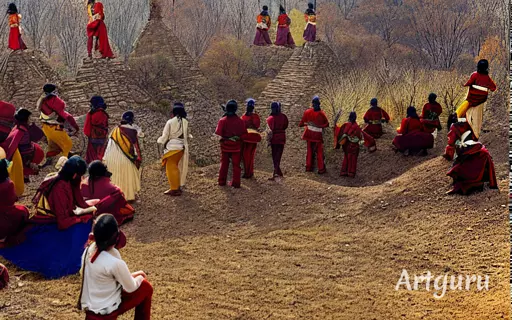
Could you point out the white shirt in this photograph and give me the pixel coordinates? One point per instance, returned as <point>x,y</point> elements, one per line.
<point>104,280</point>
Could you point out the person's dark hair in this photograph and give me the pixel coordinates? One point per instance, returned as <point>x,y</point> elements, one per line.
<point>282,10</point>
<point>91,1</point>
<point>97,102</point>
<point>432,97</point>
<point>411,112</point>
<point>97,169</point>
<point>49,88</point>
<point>106,231</point>
<point>4,173</point>
<point>22,115</point>
<point>178,110</point>
<point>316,103</point>
<point>231,108</point>
<point>311,9</point>
<point>275,108</point>
<point>265,8</point>
<point>352,117</point>
<point>483,67</point>
<point>250,107</point>
<point>128,117</point>
<point>74,165</point>
<point>12,9</point>
<point>374,102</point>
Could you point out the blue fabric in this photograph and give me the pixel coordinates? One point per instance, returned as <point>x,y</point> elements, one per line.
<point>50,251</point>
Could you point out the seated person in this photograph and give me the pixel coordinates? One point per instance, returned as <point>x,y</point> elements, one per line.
<point>13,218</point>
<point>108,288</point>
<point>412,138</point>
<point>111,198</point>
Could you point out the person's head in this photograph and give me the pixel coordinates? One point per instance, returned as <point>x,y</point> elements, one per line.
<point>250,106</point>
<point>128,117</point>
<point>97,102</point>
<point>452,118</point>
<point>432,98</point>
<point>482,67</point>
<point>316,103</point>
<point>411,112</point>
<point>12,9</point>
<point>4,174</point>
<point>275,108</point>
<point>98,169</point>
<point>352,117</point>
<point>22,116</point>
<point>282,10</point>
<point>265,8</point>
<point>91,1</point>
<point>60,163</point>
<point>374,102</point>
<point>50,88</point>
<point>73,170</point>
<point>178,110</point>
<point>311,6</point>
<point>231,108</point>
<point>106,232</point>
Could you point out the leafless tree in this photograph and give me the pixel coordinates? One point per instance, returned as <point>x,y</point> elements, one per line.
<point>71,33</point>
<point>38,16</point>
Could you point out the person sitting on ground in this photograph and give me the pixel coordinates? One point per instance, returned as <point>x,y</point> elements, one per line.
<point>412,138</point>
<point>108,288</point>
<point>111,198</point>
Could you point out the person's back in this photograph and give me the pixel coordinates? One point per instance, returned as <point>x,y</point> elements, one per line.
<point>99,188</point>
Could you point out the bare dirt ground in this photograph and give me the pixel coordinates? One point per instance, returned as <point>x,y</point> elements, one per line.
<point>309,247</point>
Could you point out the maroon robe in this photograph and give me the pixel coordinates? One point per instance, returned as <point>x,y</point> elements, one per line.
<point>430,117</point>
<point>250,143</point>
<point>412,136</point>
<point>315,139</point>
<point>96,130</point>
<point>13,218</point>
<point>230,127</point>
<point>373,119</point>
<point>277,123</point>
<point>7,112</point>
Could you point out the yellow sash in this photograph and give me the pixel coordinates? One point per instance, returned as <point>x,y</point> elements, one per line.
<point>123,142</point>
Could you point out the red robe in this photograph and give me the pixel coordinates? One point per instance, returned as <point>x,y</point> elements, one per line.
<point>96,130</point>
<point>277,125</point>
<point>473,166</point>
<point>15,40</point>
<point>13,218</point>
<point>111,198</point>
<point>7,112</point>
<point>31,152</point>
<point>374,118</point>
<point>412,136</point>
<point>63,198</point>
<point>351,133</point>
<point>430,116</point>
<point>53,104</point>
<point>252,123</point>
<point>476,97</point>
<point>231,127</point>
<point>97,28</point>
<point>314,121</point>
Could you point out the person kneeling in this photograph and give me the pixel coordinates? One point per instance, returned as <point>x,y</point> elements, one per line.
<point>412,138</point>
<point>108,288</point>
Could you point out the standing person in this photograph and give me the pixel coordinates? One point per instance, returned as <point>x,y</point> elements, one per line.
<point>53,117</point>
<point>108,288</point>
<point>111,199</point>
<point>15,40</point>
<point>31,153</point>
<point>97,28</point>
<point>263,24</point>
<point>7,112</point>
<point>284,36</point>
<point>252,124</point>
<point>13,218</point>
<point>96,129</point>
<point>310,17</point>
<point>374,118</point>
<point>430,114</point>
<point>176,151</point>
<point>412,137</point>
<point>231,130</point>
<point>123,156</point>
<point>480,83</point>
<point>315,120</point>
<point>349,136</point>
<point>277,124</point>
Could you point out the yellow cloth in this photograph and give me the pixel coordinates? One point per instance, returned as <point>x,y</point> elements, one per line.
<point>123,143</point>
<point>462,109</point>
<point>58,140</point>
<point>171,161</point>
<point>16,173</point>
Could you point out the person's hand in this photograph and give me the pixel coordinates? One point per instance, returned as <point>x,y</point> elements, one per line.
<point>139,273</point>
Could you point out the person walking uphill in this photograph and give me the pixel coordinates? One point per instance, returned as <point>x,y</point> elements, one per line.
<point>176,151</point>
<point>252,124</point>
<point>231,130</point>
<point>263,24</point>
<point>96,129</point>
<point>315,120</point>
<point>277,124</point>
<point>15,40</point>
<point>310,17</point>
<point>108,288</point>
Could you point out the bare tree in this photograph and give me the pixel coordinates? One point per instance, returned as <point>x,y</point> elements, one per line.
<point>70,33</point>
<point>38,16</point>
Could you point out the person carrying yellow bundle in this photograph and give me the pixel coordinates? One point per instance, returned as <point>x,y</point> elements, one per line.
<point>480,83</point>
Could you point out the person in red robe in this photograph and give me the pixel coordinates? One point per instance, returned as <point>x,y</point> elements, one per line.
<point>284,36</point>
<point>231,130</point>
<point>430,114</point>
<point>348,136</point>
<point>252,123</point>
<point>31,153</point>
<point>412,137</point>
<point>58,197</point>
<point>374,118</point>
<point>263,24</point>
<point>277,124</point>
<point>112,200</point>
<point>7,112</point>
<point>473,165</point>
<point>314,120</point>
<point>96,129</point>
<point>13,218</point>
<point>15,40</point>
<point>97,28</point>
